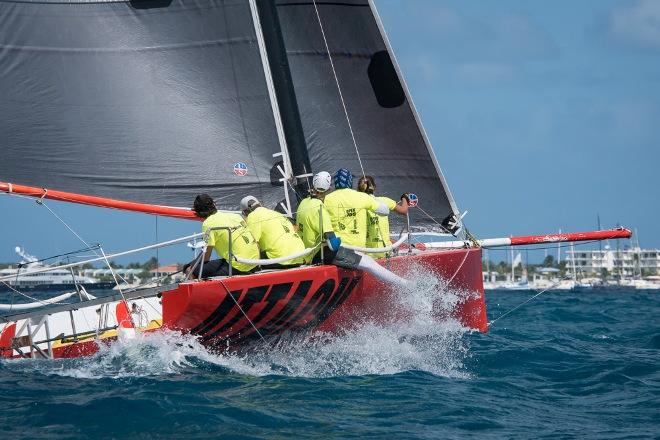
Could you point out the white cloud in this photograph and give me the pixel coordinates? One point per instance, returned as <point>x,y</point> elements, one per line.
<point>638,25</point>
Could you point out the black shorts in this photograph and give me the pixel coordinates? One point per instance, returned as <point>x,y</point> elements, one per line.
<point>345,258</point>
<point>216,268</point>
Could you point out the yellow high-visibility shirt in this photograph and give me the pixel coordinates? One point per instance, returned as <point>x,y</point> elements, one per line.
<point>348,214</point>
<point>275,234</point>
<point>243,243</point>
<point>309,215</point>
<point>378,231</point>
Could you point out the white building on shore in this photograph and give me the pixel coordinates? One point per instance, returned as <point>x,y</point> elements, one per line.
<point>626,263</point>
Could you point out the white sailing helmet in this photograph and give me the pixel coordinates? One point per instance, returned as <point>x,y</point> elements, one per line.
<point>322,181</point>
<point>248,202</point>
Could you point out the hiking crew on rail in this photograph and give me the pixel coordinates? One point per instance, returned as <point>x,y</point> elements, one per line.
<point>323,220</point>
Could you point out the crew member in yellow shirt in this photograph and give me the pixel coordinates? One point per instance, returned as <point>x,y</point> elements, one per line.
<point>243,243</point>
<point>274,233</point>
<point>314,223</point>
<point>348,210</point>
<point>311,222</point>
<point>378,228</point>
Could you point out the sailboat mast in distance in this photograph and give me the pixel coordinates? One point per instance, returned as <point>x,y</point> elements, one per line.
<point>600,243</point>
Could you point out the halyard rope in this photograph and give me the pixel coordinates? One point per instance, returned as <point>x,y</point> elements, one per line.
<point>341,96</point>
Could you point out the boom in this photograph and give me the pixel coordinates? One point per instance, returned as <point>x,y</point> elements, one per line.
<point>38,193</point>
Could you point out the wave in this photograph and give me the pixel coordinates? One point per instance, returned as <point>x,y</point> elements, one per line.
<point>418,343</point>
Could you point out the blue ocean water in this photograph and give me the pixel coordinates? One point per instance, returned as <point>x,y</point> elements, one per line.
<point>566,365</point>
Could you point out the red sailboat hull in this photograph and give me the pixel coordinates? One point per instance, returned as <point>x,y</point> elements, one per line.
<point>326,298</point>
<point>233,311</point>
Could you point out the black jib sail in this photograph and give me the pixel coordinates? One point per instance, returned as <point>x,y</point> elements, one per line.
<point>342,65</point>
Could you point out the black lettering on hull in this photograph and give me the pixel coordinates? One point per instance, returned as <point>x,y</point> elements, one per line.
<point>251,297</point>
<point>218,314</point>
<point>302,303</point>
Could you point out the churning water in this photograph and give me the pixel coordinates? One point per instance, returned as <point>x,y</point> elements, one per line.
<point>566,365</point>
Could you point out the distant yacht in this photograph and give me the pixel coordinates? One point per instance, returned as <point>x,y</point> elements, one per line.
<point>57,279</point>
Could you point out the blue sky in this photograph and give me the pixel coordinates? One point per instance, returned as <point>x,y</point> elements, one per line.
<point>542,114</point>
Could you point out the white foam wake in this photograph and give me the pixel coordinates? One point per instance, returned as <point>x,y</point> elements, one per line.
<point>419,343</point>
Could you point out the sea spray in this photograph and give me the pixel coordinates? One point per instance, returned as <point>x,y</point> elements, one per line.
<point>417,342</point>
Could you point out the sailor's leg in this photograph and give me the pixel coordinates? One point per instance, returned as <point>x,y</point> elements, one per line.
<point>328,256</point>
<point>370,265</point>
<point>352,260</point>
<point>212,268</point>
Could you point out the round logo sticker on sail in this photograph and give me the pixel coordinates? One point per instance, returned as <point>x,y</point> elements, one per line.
<point>240,169</point>
<point>413,199</point>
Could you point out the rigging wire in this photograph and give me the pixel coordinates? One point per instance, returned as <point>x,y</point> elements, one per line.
<point>341,96</point>
<point>96,246</point>
<point>26,295</point>
<point>460,266</point>
<point>491,323</point>
<point>42,203</point>
<point>244,314</point>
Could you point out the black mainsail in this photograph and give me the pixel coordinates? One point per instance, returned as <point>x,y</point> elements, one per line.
<point>155,101</point>
<point>146,101</point>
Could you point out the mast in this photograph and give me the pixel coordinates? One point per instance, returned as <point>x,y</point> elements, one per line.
<point>573,263</point>
<point>600,244</point>
<point>513,273</point>
<point>487,264</point>
<point>559,251</point>
<point>285,94</point>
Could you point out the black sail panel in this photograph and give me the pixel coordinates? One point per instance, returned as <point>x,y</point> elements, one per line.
<point>391,143</point>
<point>151,101</point>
